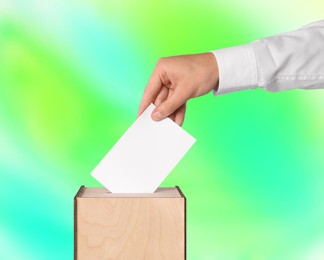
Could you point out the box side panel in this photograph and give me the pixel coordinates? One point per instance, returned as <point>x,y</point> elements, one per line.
<point>185,226</point>
<point>75,208</point>
<point>75,228</point>
<point>131,228</point>
<point>185,219</point>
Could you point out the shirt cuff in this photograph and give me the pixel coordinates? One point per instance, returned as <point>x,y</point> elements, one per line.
<point>237,69</point>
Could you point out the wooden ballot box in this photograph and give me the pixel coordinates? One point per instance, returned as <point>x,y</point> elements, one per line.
<point>129,226</point>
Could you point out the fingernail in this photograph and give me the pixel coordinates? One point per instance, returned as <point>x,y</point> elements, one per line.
<point>156,116</point>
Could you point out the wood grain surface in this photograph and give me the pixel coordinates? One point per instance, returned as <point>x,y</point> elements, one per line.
<point>130,228</point>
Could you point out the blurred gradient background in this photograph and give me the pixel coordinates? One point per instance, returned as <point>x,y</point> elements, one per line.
<point>71,79</point>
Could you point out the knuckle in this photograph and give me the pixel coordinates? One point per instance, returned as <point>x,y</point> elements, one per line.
<point>161,61</point>
<point>167,108</point>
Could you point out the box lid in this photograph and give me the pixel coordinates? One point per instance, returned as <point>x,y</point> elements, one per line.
<point>87,192</point>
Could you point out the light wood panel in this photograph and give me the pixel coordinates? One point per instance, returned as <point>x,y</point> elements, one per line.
<point>130,227</point>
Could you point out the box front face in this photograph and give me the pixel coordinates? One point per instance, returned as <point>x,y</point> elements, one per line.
<point>130,228</point>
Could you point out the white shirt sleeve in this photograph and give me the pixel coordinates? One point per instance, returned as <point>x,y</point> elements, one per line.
<point>281,62</point>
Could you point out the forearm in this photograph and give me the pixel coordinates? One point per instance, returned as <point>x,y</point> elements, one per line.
<point>281,62</point>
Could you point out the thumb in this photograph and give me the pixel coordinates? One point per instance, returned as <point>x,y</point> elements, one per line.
<point>169,106</point>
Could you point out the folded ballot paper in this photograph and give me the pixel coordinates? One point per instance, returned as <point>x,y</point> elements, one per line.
<point>144,156</point>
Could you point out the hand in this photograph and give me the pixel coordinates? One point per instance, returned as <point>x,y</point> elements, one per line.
<point>177,79</point>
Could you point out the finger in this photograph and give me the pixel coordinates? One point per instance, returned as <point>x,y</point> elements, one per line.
<point>151,91</point>
<point>162,96</point>
<point>170,105</point>
<point>180,114</point>
<point>169,93</point>
<point>172,117</point>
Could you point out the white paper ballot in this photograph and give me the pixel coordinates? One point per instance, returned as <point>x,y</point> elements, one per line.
<point>143,156</point>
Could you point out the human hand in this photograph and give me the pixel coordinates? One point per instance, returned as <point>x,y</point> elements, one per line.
<point>175,80</point>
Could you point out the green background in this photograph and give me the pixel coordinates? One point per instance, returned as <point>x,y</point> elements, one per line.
<point>71,78</point>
